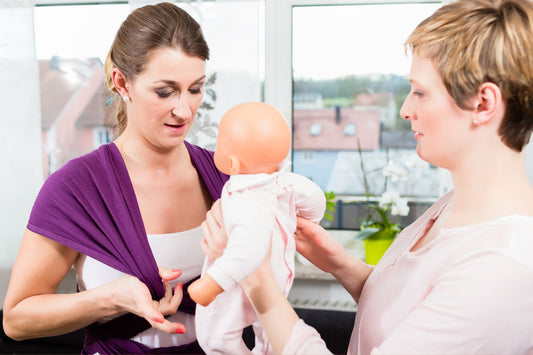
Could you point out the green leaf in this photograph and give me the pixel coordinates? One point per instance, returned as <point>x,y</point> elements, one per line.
<point>367,233</point>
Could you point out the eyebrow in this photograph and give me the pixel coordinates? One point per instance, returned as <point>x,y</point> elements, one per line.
<point>174,83</point>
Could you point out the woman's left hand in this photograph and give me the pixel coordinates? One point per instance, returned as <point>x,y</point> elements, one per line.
<point>170,302</point>
<point>215,237</point>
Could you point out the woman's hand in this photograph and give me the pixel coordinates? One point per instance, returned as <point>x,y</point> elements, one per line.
<point>132,295</point>
<point>169,304</point>
<point>215,237</point>
<point>318,246</point>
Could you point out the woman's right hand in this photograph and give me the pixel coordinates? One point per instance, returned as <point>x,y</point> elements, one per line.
<point>132,295</point>
<point>215,237</point>
<point>318,246</point>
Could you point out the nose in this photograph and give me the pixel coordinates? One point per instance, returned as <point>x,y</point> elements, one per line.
<point>405,111</point>
<point>181,108</point>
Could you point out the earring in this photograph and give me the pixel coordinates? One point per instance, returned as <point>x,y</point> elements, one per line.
<point>475,121</point>
<point>125,98</point>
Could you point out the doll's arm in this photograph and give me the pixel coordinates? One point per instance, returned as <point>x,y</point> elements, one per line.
<point>248,219</point>
<point>204,290</point>
<point>309,198</point>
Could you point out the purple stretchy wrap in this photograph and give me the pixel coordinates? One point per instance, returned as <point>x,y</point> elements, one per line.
<point>89,205</point>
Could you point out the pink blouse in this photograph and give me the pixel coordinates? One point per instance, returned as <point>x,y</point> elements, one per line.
<point>468,291</point>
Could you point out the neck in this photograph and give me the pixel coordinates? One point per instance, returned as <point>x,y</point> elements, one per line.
<point>489,188</point>
<point>147,156</point>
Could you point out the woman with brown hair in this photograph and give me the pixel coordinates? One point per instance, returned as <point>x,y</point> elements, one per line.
<point>127,216</point>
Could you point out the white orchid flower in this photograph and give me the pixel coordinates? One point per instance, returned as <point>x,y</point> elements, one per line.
<point>416,163</point>
<point>400,208</point>
<point>394,171</point>
<point>388,199</point>
<point>391,199</point>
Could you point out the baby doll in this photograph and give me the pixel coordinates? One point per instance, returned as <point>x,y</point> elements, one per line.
<point>259,206</point>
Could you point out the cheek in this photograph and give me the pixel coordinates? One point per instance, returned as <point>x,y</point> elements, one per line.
<point>196,101</point>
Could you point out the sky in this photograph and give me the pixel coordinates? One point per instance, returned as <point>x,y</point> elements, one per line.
<point>328,41</point>
<point>333,41</point>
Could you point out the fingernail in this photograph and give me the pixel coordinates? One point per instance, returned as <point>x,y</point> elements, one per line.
<point>180,330</point>
<point>176,270</point>
<point>159,319</point>
<point>180,285</point>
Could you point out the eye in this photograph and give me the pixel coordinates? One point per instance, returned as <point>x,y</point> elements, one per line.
<point>417,93</point>
<point>197,89</point>
<point>163,93</point>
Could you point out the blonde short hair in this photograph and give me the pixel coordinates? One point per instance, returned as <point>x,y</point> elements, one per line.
<point>477,41</point>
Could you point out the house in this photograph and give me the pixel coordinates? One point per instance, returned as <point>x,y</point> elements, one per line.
<point>307,101</point>
<point>336,129</point>
<point>76,112</point>
<point>323,138</point>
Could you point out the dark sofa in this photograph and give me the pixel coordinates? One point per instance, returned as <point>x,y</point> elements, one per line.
<point>334,326</point>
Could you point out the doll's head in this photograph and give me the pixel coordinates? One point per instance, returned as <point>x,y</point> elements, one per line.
<point>252,138</point>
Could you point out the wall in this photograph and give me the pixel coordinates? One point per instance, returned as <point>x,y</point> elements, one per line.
<point>20,138</point>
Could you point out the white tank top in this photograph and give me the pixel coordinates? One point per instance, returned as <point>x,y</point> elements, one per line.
<point>179,250</point>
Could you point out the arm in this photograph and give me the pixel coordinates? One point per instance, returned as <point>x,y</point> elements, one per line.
<point>309,198</point>
<point>275,313</point>
<point>320,248</point>
<point>33,309</point>
<point>248,218</point>
<point>286,332</point>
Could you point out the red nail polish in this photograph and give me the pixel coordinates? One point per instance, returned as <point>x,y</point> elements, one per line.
<point>180,330</point>
<point>180,285</point>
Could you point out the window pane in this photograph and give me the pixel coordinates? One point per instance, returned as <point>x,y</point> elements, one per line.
<point>72,42</point>
<point>71,45</point>
<point>350,79</point>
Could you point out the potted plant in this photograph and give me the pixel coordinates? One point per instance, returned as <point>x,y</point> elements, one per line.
<point>377,230</point>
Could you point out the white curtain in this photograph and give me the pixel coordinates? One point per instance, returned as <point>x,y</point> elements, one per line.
<point>20,140</point>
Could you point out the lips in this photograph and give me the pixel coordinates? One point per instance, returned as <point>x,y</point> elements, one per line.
<point>175,125</point>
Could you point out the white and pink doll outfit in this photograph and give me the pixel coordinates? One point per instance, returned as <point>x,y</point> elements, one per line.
<point>258,210</point>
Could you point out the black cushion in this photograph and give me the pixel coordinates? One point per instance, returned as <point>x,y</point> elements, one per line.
<point>70,343</point>
<point>335,327</point>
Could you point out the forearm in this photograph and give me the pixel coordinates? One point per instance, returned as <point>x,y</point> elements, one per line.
<point>274,311</point>
<point>53,314</point>
<point>352,275</point>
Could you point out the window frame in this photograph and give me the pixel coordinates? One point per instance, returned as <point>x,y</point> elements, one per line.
<point>278,66</point>
<point>278,45</point>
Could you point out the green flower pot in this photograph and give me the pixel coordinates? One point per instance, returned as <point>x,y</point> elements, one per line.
<point>375,248</point>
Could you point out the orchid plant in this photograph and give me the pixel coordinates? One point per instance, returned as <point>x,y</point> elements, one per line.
<point>377,224</point>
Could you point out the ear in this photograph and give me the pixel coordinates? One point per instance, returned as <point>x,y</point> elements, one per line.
<point>120,82</point>
<point>488,103</point>
<point>234,165</point>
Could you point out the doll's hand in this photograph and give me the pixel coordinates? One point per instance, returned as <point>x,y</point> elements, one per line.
<point>318,246</point>
<point>215,237</point>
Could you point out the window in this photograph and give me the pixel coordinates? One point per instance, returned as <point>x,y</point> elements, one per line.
<point>356,64</point>
<point>76,114</point>
<point>315,129</point>
<point>72,42</point>
<point>349,129</point>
